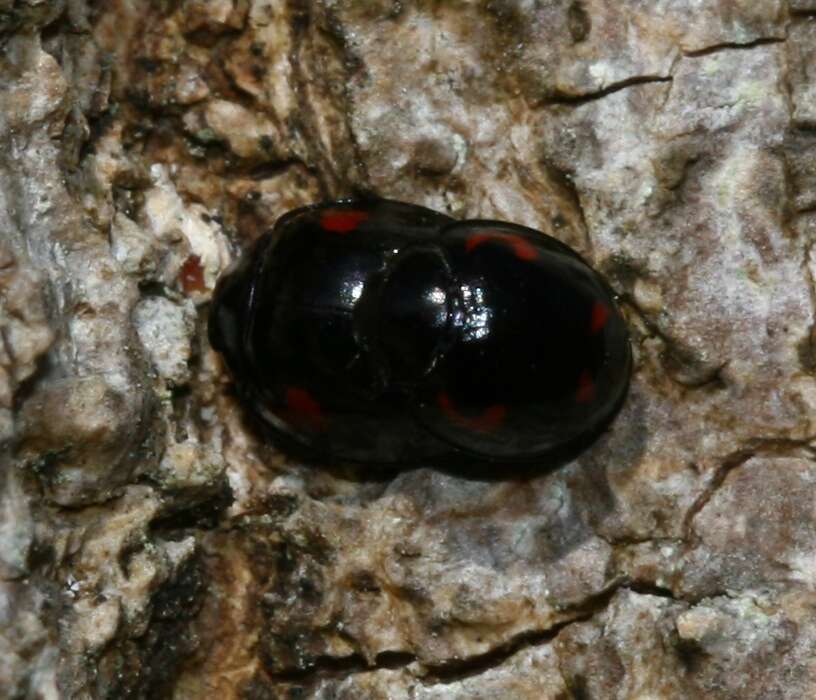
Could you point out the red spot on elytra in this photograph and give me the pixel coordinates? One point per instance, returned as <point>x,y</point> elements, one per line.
<point>586,388</point>
<point>522,248</point>
<point>192,275</point>
<point>490,419</point>
<point>342,220</point>
<point>600,315</point>
<point>304,409</point>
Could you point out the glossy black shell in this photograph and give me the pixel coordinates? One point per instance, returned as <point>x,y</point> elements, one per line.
<point>377,331</point>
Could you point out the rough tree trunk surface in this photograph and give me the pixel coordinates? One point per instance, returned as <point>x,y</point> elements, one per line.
<point>151,544</point>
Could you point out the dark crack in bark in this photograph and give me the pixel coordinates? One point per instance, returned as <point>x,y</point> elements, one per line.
<point>455,671</point>
<point>632,540</point>
<point>730,463</point>
<point>733,45</point>
<point>458,669</point>
<point>451,670</point>
<point>562,98</point>
<point>327,667</point>
<point>753,448</point>
<point>807,347</point>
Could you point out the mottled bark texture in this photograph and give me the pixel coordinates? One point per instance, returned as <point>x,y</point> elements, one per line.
<point>151,544</point>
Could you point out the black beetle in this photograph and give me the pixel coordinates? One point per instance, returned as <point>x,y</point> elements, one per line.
<point>378,331</point>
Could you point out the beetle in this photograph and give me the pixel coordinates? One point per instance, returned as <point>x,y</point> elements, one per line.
<point>376,331</point>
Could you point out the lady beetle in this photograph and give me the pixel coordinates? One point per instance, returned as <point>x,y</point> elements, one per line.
<point>377,331</point>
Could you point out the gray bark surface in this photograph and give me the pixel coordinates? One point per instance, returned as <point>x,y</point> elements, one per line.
<point>152,545</point>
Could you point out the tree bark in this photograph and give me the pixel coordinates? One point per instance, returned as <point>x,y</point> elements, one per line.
<point>153,544</point>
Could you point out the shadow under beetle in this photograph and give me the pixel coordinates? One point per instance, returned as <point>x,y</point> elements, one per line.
<point>381,332</point>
